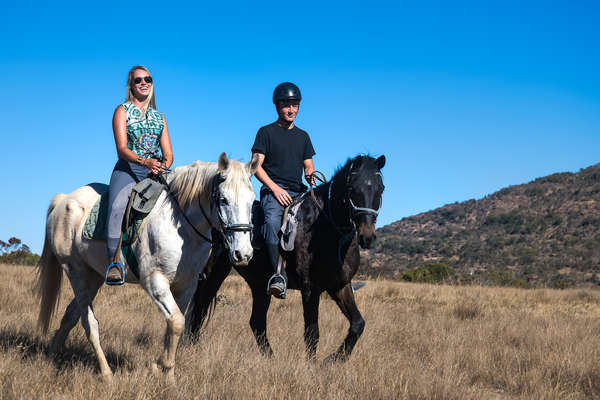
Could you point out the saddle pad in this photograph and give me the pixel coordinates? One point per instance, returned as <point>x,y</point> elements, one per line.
<point>95,225</point>
<point>96,228</point>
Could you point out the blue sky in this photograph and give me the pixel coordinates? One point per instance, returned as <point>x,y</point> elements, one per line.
<point>463,98</point>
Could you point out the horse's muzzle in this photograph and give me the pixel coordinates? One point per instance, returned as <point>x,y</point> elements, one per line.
<point>366,235</point>
<point>240,259</point>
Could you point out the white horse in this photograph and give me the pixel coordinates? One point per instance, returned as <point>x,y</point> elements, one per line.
<point>171,249</point>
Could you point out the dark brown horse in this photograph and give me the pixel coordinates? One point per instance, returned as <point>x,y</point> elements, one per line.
<point>325,256</point>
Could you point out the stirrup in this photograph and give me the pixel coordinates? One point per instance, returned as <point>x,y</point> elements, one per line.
<point>271,279</point>
<point>115,283</point>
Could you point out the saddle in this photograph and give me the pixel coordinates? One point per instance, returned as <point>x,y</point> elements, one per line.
<point>289,224</point>
<point>142,199</point>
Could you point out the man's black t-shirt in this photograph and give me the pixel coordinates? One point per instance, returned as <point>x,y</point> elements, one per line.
<point>285,151</point>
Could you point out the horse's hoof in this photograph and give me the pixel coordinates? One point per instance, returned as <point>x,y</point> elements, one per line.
<point>55,346</point>
<point>155,369</point>
<point>170,378</point>
<point>333,359</point>
<point>107,378</point>
<point>266,353</point>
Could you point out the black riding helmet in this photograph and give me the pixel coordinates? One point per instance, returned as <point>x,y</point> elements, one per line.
<point>286,91</point>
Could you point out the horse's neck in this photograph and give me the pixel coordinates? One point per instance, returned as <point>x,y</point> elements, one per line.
<point>191,216</point>
<point>330,203</point>
<point>338,210</point>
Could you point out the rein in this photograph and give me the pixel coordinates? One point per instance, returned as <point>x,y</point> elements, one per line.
<point>312,178</point>
<point>160,178</point>
<point>225,227</point>
<point>345,238</point>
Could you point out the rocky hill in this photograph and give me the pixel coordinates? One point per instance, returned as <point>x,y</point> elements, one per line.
<point>543,233</point>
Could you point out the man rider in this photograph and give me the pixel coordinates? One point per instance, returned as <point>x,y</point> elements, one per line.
<point>284,150</point>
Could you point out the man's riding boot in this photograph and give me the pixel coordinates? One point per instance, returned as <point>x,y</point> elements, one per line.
<point>278,282</point>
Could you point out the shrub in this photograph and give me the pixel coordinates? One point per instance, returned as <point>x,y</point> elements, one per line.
<point>561,282</point>
<point>20,257</point>
<point>429,273</point>
<point>497,277</point>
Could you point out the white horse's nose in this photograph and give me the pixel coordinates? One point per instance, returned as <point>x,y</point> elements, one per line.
<point>237,256</point>
<point>241,258</point>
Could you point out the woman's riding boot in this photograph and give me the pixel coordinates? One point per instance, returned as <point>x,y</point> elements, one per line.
<point>114,273</point>
<point>278,282</point>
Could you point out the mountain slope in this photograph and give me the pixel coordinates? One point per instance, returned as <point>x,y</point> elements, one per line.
<point>546,232</point>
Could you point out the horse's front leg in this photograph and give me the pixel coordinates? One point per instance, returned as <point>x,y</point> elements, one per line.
<point>310,304</point>
<point>258,320</point>
<point>344,298</point>
<point>205,294</point>
<point>157,286</point>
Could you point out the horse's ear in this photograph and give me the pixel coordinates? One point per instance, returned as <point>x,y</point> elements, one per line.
<point>380,162</point>
<point>223,162</point>
<point>253,164</point>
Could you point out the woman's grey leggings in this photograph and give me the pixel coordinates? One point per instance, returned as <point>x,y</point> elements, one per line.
<point>121,184</point>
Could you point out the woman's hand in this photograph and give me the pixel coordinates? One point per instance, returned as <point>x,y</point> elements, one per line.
<point>153,165</point>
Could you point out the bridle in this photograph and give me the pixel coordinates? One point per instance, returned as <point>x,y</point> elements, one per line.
<point>215,201</point>
<point>354,211</point>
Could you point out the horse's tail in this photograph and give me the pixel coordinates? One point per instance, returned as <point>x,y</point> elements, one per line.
<point>49,277</point>
<point>205,298</point>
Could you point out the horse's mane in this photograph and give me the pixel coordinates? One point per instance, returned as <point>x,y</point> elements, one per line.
<point>343,169</point>
<point>194,182</point>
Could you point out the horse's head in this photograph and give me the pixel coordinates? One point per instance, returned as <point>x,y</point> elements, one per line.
<point>233,197</point>
<point>364,189</point>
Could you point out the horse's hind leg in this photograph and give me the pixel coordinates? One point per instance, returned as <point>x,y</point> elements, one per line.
<point>69,320</point>
<point>258,320</point>
<point>72,313</point>
<point>310,303</point>
<point>157,286</point>
<point>344,298</point>
<point>85,283</point>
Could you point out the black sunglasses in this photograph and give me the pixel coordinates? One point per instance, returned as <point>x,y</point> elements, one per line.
<point>138,80</point>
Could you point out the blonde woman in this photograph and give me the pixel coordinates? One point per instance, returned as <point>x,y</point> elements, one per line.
<point>141,136</point>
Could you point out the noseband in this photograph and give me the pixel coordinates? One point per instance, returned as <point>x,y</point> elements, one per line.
<point>363,210</point>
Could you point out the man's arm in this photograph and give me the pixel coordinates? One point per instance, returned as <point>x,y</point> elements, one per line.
<point>279,193</point>
<point>309,168</point>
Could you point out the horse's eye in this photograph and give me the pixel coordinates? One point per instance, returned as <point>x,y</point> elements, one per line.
<point>224,201</point>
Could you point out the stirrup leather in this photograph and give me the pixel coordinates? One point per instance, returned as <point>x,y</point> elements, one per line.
<point>115,283</point>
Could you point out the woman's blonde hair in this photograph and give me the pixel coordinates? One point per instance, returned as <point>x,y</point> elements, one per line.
<point>150,101</point>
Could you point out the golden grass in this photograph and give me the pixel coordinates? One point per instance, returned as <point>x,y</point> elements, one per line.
<point>420,342</point>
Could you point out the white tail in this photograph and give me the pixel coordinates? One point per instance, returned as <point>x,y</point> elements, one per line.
<point>49,277</point>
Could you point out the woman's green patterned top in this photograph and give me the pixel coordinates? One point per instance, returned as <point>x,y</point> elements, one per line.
<point>143,132</point>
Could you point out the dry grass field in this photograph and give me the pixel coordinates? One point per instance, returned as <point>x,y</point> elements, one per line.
<point>420,342</point>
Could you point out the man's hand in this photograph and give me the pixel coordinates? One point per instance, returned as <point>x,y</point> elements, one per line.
<point>282,196</point>
<point>310,179</point>
<point>309,169</point>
